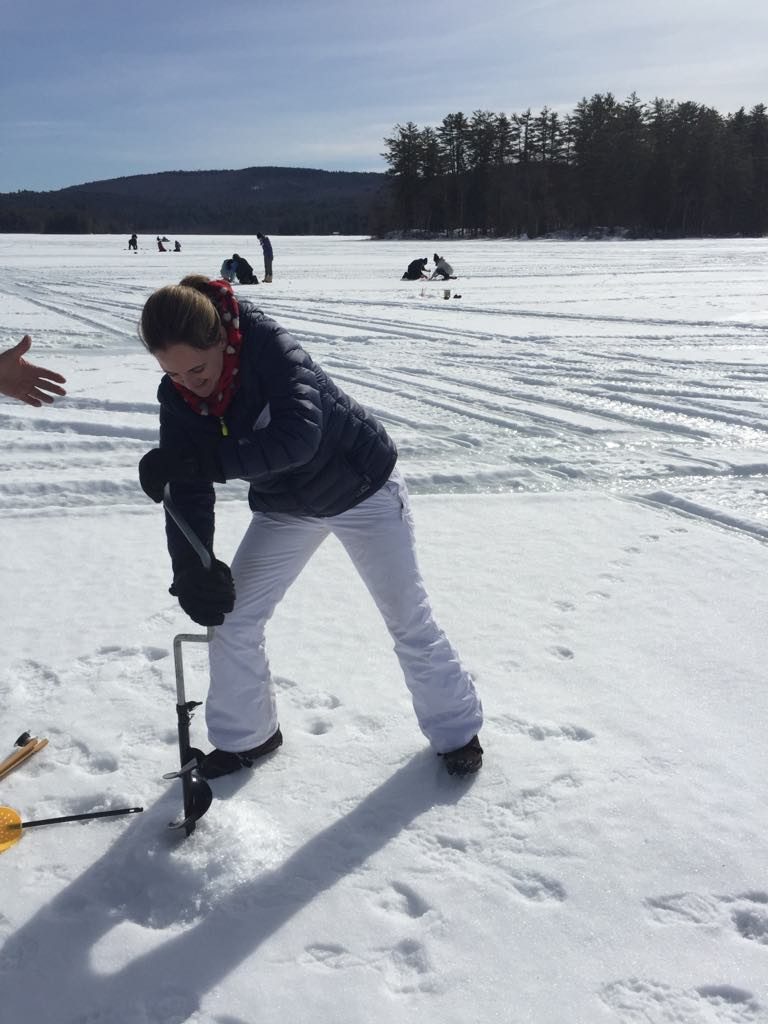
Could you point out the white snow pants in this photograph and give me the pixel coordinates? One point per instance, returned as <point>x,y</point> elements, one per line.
<point>241,711</point>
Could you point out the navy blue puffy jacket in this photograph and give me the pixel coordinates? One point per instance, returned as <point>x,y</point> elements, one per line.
<point>306,447</point>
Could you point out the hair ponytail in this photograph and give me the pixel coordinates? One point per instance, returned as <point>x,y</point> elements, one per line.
<point>180,314</point>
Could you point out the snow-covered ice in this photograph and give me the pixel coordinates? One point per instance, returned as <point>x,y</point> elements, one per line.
<point>584,431</point>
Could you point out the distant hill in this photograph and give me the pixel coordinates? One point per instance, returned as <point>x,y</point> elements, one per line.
<point>277,200</point>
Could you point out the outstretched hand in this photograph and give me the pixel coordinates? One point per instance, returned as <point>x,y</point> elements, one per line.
<point>20,379</point>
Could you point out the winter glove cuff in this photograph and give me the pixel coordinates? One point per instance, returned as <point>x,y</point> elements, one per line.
<point>159,467</point>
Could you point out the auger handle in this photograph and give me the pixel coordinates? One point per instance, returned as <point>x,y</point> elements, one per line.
<point>200,549</point>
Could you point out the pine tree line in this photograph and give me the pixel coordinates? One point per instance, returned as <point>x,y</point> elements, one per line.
<point>659,169</point>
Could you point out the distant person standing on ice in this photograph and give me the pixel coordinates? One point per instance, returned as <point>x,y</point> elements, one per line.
<point>160,246</point>
<point>24,381</point>
<point>133,243</point>
<point>177,246</point>
<point>266,247</point>
<point>443,269</point>
<point>417,270</point>
<point>244,270</point>
<point>241,400</point>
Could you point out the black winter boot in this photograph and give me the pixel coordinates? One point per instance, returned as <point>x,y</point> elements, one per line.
<point>224,762</point>
<point>466,760</point>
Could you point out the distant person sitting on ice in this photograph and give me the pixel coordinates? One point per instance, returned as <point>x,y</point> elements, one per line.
<point>241,400</point>
<point>133,242</point>
<point>244,270</point>
<point>177,246</point>
<point>443,269</point>
<point>266,248</point>
<point>228,270</point>
<point>160,246</point>
<point>417,270</point>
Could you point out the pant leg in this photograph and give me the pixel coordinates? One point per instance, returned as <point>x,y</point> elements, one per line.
<point>378,535</point>
<point>241,710</point>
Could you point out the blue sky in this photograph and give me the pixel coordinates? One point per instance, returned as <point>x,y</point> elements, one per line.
<point>92,90</point>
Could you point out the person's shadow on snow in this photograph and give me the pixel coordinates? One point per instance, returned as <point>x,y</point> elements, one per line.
<point>46,966</point>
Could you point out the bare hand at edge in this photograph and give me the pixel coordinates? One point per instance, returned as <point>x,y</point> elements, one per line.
<point>24,381</point>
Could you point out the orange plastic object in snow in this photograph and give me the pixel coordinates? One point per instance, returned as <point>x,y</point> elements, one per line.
<point>10,828</point>
<point>11,824</point>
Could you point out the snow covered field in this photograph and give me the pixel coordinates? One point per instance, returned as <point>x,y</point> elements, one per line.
<point>584,431</point>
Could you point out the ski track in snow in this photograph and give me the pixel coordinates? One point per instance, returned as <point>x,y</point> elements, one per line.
<point>510,390</point>
<point>491,393</point>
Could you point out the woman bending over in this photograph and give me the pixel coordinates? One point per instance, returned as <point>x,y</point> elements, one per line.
<point>240,399</point>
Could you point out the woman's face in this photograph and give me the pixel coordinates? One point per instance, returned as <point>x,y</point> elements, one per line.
<point>197,369</point>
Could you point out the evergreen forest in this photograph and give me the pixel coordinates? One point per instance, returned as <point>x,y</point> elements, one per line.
<point>661,169</point>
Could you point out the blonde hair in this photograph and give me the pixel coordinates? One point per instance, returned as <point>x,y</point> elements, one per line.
<point>180,313</point>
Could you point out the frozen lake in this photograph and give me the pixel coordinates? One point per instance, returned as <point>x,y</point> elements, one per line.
<point>639,368</point>
<point>608,862</point>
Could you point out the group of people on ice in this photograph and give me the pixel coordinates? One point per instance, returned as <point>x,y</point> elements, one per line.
<point>417,270</point>
<point>236,268</point>
<point>133,243</point>
<point>240,399</point>
<point>162,242</point>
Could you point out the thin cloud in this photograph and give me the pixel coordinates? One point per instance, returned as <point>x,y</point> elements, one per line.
<point>155,85</point>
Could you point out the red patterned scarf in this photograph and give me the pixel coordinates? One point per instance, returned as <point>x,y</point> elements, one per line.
<point>221,295</point>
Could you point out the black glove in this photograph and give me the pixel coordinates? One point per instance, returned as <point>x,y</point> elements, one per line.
<point>161,465</point>
<point>206,595</point>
